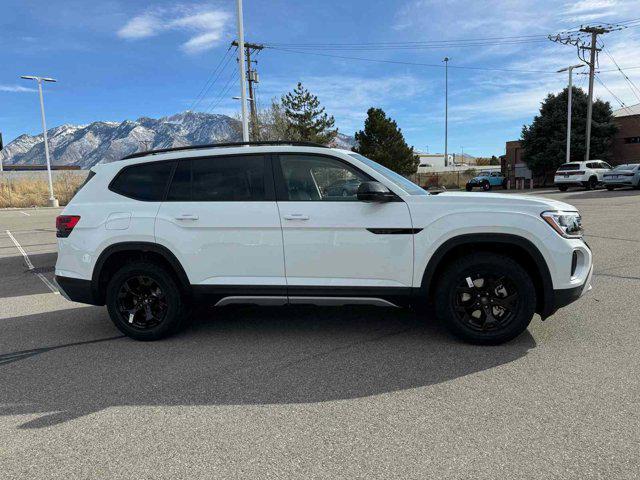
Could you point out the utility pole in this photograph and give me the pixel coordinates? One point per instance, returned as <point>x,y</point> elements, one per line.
<point>578,41</point>
<point>446,108</point>
<point>53,202</point>
<point>243,90</point>
<point>252,77</point>
<point>594,31</point>
<point>569,104</point>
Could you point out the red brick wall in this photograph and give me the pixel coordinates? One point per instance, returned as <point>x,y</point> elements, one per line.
<point>624,152</point>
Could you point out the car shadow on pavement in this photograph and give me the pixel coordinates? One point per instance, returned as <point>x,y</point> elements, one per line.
<point>17,280</point>
<point>229,356</point>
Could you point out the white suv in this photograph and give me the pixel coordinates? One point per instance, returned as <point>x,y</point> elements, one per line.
<point>263,224</point>
<point>587,174</point>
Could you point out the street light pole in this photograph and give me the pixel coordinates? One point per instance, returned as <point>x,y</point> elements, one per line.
<point>243,84</point>
<point>446,108</point>
<point>53,202</point>
<point>569,104</point>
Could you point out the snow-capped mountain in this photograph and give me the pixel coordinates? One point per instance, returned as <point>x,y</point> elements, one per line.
<point>100,142</point>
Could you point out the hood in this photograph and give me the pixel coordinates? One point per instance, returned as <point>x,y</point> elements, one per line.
<point>506,200</point>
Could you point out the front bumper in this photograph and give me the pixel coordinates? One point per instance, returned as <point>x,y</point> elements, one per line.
<point>564,296</point>
<point>76,290</point>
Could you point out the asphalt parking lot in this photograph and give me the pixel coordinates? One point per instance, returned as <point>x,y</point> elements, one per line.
<point>320,393</point>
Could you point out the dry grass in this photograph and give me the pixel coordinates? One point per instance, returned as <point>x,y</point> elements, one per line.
<point>34,192</point>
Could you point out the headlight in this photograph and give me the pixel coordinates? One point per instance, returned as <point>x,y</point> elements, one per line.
<point>567,224</point>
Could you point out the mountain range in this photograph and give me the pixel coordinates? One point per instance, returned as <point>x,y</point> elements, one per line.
<point>101,142</point>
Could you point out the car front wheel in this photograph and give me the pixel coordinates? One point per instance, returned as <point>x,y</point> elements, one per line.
<point>563,188</point>
<point>486,186</point>
<point>485,298</point>
<point>145,302</point>
<point>469,188</point>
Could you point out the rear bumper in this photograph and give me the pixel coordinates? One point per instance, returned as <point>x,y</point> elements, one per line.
<point>618,183</point>
<point>569,182</point>
<point>76,290</point>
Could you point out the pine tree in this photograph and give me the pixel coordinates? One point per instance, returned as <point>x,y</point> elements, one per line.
<point>544,141</point>
<point>383,142</point>
<point>307,120</point>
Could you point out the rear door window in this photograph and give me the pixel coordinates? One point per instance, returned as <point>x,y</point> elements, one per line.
<point>219,179</point>
<point>146,182</point>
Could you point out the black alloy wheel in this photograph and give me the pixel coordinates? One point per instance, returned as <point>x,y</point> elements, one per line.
<point>141,302</point>
<point>485,298</point>
<point>485,301</point>
<point>145,302</point>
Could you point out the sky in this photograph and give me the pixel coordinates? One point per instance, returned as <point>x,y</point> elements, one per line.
<point>117,60</point>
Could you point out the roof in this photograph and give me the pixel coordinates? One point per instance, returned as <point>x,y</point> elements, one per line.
<point>221,145</point>
<point>627,111</point>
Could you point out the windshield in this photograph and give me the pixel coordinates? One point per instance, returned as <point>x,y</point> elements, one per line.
<point>405,184</point>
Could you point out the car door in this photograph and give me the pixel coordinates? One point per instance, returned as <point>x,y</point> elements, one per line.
<point>333,242</point>
<point>603,167</point>
<point>221,220</point>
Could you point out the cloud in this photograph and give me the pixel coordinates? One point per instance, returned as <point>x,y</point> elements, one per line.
<point>347,97</point>
<point>16,89</point>
<point>205,26</point>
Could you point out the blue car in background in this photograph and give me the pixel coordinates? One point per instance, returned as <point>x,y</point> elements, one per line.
<point>486,181</point>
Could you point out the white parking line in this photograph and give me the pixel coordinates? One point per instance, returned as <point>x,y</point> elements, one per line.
<point>25,213</point>
<point>30,265</point>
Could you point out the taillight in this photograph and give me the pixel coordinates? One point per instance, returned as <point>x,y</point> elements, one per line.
<point>65,224</point>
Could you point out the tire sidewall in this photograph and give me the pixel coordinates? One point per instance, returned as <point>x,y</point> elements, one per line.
<point>486,263</point>
<point>174,314</point>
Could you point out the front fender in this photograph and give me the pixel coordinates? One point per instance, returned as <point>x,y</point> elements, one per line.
<point>482,226</point>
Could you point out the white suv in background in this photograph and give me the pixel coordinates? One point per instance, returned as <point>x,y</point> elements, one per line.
<point>586,174</point>
<point>267,224</point>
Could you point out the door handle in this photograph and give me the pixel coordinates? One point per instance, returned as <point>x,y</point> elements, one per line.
<point>296,216</point>
<point>187,216</point>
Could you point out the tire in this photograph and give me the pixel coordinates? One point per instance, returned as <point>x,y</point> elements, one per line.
<point>486,186</point>
<point>563,188</point>
<point>468,188</point>
<point>168,306</point>
<point>504,183</point>
<point>485,269</point>
<point>592,183</point>
<point>610,187</point>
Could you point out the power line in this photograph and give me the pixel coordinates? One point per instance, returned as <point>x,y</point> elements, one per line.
<point>632,85</point>
<point>398,62</point>
<point>224,91</point>
<point>209,83</point>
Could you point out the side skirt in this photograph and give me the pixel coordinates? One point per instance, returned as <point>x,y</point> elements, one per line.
<point>221,295</point>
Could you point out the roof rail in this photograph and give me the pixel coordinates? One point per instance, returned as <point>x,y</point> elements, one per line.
<point>218,145</point>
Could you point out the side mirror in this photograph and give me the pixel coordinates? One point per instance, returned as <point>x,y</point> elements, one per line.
<point>374,192</point>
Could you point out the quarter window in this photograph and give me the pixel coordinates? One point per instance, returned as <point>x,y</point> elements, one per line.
<point>219,179</point>
<point>317,178</point>
<point>147,181</point>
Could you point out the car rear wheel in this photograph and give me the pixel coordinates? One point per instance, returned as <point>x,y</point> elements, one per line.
<point>485,298</point>
<point>563,188</point>
<point>145,302</point>
<point>592,183</point>
<point>468,188</point>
